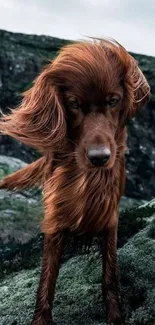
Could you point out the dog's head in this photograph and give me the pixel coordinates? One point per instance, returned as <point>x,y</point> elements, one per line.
<point>84,97</point>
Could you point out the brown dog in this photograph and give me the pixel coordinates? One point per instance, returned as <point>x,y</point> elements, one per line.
<point>76,115</point>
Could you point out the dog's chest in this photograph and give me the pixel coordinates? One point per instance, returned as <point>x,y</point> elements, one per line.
<point>83,202</point>
<point>100,196</point>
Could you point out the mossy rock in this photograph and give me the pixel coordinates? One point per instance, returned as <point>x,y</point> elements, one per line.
<point>20,218</point>
<point>129,203</point>
<point>78,297</point>
<point>9,165</point>
<point>20,212</point>
<point>137,269</point>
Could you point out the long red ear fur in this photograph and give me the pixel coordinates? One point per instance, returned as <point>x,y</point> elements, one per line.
<point>140,93</point>
<point>39,121</point>
<point>136,85</point>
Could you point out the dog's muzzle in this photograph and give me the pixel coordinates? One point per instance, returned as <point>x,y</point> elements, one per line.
<point>98,155</point>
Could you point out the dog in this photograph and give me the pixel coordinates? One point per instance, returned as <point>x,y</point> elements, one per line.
<point>76,115</point>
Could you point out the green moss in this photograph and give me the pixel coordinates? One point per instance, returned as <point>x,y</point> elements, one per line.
<point>137,265</point>
<point>132,220</point>
<point>4,170</point>
<point>151,231</point>
<point>18,293</point>
<point>76,302</point>
<point>19,214</point>
<point>78,297</point>
<point>16,256</point>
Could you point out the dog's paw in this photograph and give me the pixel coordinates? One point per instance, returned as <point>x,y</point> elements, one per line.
<point>38,322</point>
<point>114,312</point>
<point>116,321</point>
<point>42,321</point>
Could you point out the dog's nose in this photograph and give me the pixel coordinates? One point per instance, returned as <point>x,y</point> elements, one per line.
<point>98,155</point>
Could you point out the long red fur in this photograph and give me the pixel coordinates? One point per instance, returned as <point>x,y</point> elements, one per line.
<point>29,176</point>
<point>78,196</point>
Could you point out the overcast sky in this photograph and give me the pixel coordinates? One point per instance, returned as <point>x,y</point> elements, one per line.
<point>130,22</point>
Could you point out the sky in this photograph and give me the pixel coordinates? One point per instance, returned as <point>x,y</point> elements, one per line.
<point>130,22</point>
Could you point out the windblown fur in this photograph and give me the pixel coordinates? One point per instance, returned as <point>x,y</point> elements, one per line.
<point>83,98</point>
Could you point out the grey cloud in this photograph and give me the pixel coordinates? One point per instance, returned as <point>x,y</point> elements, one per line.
<point>131,22</point>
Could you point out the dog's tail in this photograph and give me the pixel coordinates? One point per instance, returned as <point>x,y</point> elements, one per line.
<point>27,177</point>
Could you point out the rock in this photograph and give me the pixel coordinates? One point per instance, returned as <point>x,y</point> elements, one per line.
<point>140,160</point>
<point>20,217</point>
<point>137,265</point>
<point>9,165</point>
<point>20,212</point>
<point>128,202</point>
<point>78,297</point>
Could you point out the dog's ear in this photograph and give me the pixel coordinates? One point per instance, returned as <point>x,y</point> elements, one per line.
<point>39,121</point>
<point>141,90</point>
<point>137,91</point>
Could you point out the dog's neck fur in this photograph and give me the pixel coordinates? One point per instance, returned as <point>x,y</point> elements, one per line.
<point>82,200</point>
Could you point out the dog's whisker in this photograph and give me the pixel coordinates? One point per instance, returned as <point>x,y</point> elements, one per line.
<point>77,145</point>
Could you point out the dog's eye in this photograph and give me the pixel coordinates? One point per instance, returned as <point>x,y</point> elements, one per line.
<point>74,104</point>
<point>113,101</point>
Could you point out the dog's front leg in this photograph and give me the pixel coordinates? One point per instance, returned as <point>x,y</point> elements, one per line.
<point>110,283</point>
<point>53,247</point>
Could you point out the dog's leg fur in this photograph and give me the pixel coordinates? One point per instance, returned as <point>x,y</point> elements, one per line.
<point>110,283</point>
<point>30,175</point>
<point>53,247</point>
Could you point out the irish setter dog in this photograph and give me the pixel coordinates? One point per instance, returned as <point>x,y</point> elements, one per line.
<point>76,114</point>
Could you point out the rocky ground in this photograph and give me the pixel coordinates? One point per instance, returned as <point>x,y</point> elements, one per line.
<point>78,297</point>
